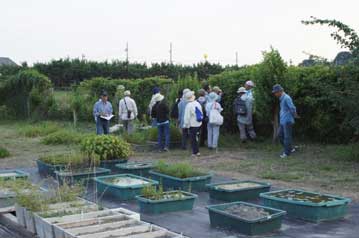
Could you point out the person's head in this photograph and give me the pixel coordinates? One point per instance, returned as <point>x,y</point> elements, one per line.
<point>212,97</point>
<point>158,97</point>
<point>201,92</point>
<point>249,85</point>
<point>277,90</point>
<point>207,88</point>
<point>104,96</point>
<point>217,90</point>
<point>127,93</point>
<point>156,90</point>
<point>241,91</point>
<point>189,96</point>
<point>186,90</point>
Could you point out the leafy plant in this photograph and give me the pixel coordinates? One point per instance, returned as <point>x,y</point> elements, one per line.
<point>107,147</point>
<point>4,152</point>
<point>62,137</point>
<point>179,170</point>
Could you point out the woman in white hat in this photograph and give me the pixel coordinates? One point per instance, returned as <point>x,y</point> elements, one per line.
<point>243,108</point>
<point>127,111</point>
<point>193,117</point>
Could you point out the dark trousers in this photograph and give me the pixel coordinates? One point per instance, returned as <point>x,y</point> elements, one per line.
<point>194,134</point>
<point>203,134</point>
<point>184,138</point>
<point>102,126</point>
<point>285,137</point>
<point>163,136</point>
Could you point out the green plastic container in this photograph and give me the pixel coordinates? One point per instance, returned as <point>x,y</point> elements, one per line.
<point>240,194</point>
<point>13,174</point>
<point>219,218</point>
<point>121,192</point>
<point>167,205</point>
<point>309,211</point>
<point>137,168</point>
<point>47,170</point>
<point>197,183</point>
<point>79,177</point>
<point>111,164</point>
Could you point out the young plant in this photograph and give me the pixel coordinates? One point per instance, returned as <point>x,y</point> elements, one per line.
<point>4,152</point>
<point>179,170</point>
<point>106,147</point>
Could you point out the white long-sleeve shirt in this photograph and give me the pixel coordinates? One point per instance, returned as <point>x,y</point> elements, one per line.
<point>190,118</point>
<point>122,109</point>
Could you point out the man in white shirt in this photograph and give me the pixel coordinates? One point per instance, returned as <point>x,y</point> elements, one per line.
<point>193,117</point>
<point>127,111</point>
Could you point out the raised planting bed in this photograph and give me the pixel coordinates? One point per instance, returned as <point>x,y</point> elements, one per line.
<point>13,174</point>
<point>170,201</point>
<point>233,191</point>
<point>196,183</point>
<point>7,198</point>
<point>122,186</point>
<point>48,229</point>
<point>46,169</point>
<point>310,206</point>
<point>111,164</point>
<point>137,168</point>
<point>245,218</point>
<point>72,177</point>
<point>112,226</point>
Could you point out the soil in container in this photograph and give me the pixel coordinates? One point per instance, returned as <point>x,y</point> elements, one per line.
<point>249,213</point>
<point>235,186</point>
<point>301,196</point>
<point>124,181</point>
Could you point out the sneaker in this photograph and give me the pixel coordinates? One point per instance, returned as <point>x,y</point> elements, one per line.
<point>283,156</point>
<point>294,149</point>
<point>196,155</point>
<point>166,149</point>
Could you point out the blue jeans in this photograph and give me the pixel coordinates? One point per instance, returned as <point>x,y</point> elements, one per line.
<point>194,134</point>
<point>285,137</point>
<point>163,135</point>
<point>213,135</point>
<point>102,126</point>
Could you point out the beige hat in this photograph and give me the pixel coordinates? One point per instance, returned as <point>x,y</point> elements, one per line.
<point>189,96</point>
<point>158,97</point>
<point>186,90</point>
<point>216,89</point>
<point>241,90</point>
<point>127,93</point>
<point>250,83</point>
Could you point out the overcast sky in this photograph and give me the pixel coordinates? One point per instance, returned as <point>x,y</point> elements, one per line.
<point>41,30</point>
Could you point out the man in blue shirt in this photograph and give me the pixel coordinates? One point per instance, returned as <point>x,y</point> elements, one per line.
<point>102,108</point>
<point>287,115</point>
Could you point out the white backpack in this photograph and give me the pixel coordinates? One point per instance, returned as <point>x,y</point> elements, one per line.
<point>215,117</point>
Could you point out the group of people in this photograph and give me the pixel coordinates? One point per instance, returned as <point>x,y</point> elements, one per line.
<point>199,118</point>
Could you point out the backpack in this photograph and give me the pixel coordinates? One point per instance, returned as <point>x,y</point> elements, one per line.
<point>240,107</point>
<point>199,115</point>
<point>174,110</point>
<point>215,117</point>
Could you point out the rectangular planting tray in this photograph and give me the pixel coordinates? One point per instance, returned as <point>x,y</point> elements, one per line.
<point>111,164</point>
<point>13,174</point>
<point>76,177</point>
<point>152,206</point>
<point>121,192</point>
<point>46,170</point>
<point>219,218</point>
<point>197,183</point>
<point>137,168</point>
<point>307,210</point>
<point>237,194</point>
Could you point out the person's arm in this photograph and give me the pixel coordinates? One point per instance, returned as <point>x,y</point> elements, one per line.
<point>291,106</point>
<point>120,108</point>
<point>96,112</point>
<point>135,112</point>
<point>220,108</point>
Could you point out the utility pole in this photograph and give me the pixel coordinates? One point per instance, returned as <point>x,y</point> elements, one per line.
<point>171,50</point>
<point>237,58</point>
<point>126,50</point>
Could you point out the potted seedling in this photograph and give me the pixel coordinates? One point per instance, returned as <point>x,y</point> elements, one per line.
<point>137,168</point>
<point>111,150</point>
<point>156,201</point>
<point>8,190</point>
<point>180,176</point>
<point>48,164</point>
<point>80,167</point>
